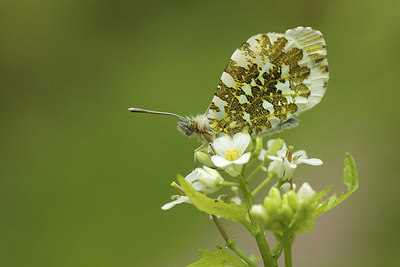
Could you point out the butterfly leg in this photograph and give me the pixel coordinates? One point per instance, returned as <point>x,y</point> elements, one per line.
<point>212,151</point>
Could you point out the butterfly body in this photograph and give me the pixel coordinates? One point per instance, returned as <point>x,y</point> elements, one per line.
<point>269,80</point>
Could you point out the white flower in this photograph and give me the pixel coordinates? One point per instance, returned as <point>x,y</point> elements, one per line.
<point>285,162</point>
<point>305,192</point>
<point>206,180</point>
<point>179,199</point>
<point>202,179</point>
<point>230,155</point>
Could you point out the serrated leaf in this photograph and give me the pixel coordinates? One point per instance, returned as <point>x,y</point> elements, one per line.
<point>350,178</point>
<point>220,258</point>
<point>230,211</point>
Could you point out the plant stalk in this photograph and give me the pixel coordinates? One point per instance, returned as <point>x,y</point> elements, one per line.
<point>264,183</point>
<point>260,237</point>
<point>287,248</point>
<point>231,243</point>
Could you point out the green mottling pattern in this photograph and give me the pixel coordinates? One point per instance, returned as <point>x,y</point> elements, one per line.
<point>261,89</point>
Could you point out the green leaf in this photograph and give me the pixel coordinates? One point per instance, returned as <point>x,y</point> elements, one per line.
<point>230,211</point>
<point>220,258</point>
<point>350,178</point>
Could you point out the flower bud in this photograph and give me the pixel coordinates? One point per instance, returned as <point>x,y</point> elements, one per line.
<point>209,177</point>
<point>275,147</point>
<point>289,212</point>
<point>259,145</point>
<point>259,214</point>
<point>286,187</point>
<point>275,195</point>
<point>305,192</point>
<point>292,199</point>
<point>286,214</point>
<point>204,158</point>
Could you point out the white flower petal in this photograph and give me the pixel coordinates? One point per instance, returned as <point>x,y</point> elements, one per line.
<point>237,200</point>
<point>288,173</point>
<point>198,186</point>
<point>194,175</point>
<point>270,142</point>
<point>258,210</point>
<point>289,165</point>
<point>243,159</point>
<point>305,192</point>
<point>282,152</point>
<point>288,169</point>
<point>213,173</point>
<point>312,161</point>
<point>222,144</point>
<point>241,141</point>
<point>300,154</point>
<point>284,147</point>
<point>209,179</point>
<point>276,167</point>
<point>275,158</point>
<point>181,199</point>
<point>286,187</point>
<point>262,154</point>
<point>220,162</point>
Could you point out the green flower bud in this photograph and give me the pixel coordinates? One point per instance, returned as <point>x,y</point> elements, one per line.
<point>291,212</point>
<point>286,214</point>
<point>268,202</point>
<point>275,147</point>
<point>292,199</point>
<point>259,145</point>
<point>258,213</point>
<point>275,195</point>
<point>204,158</point>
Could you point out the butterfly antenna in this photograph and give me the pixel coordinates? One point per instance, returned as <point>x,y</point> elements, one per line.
<point>140,110</point>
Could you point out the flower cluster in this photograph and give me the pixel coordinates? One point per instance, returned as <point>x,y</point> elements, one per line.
<point>230,154</point>
<point>284,212</point>
<point>292,212</point>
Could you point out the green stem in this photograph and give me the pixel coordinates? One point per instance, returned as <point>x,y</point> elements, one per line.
<point>251,175</point>
<point>280,183</point>
<point>259,235</point>
<point>226,183</point>
<point>231,243</point>
<point>277,250</point>
<point>270,176</point>
<point>287,247</point>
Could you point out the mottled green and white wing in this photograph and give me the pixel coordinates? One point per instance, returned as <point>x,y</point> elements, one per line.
<point>269,80</point>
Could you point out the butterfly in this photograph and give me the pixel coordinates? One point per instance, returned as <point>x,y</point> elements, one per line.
<point>269,80</point>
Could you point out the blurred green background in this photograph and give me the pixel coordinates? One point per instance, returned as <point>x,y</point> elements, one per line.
<point>82,180</point>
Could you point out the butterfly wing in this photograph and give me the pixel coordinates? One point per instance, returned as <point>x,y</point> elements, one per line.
<point>269,80</point>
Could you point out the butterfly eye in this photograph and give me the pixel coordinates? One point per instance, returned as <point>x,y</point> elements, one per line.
<point>190,126</point>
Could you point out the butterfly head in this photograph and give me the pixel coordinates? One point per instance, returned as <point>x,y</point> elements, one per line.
<point>198,125</point>
<point>186,126</point>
